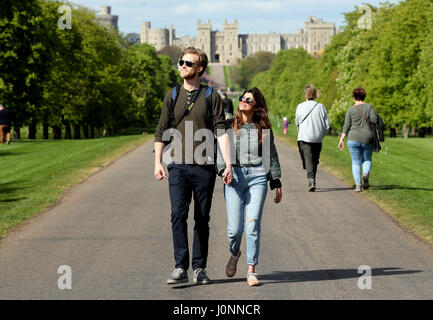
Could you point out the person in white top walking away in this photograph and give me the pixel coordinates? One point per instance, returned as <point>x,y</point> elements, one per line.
<point>312,122</point>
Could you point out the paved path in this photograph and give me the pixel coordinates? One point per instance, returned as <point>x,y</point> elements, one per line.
<point>218,77</point>
<point>113,230</point>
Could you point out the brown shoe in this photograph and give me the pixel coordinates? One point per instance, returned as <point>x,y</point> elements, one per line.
<point>231,265</point>
<point>252,279</point>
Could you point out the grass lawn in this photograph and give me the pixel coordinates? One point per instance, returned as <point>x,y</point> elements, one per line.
<point>34,173</point>
<point>400,176</point>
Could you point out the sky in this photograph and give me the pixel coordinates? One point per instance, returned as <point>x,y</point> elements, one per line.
<point>284,16</point>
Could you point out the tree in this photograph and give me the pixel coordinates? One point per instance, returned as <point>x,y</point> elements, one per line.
<point>23,56</point>
<point>173,52</point>
<point>251,65</point>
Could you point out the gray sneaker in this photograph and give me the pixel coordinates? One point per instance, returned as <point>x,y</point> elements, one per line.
<point>200,276</point>
<point>311,185</point>
<point>358,188</point>
<point>178,276</point>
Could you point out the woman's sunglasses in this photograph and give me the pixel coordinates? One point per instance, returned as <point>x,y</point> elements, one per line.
<point>247,100</point>
<point>189,64</point>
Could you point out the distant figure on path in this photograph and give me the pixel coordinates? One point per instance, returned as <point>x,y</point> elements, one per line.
<point>312,122</point>
<point>187,180</point>
<point>228,106</point>
<point>359,137</point>
<point>5,125</point>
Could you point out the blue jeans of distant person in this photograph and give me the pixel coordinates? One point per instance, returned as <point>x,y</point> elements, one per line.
<point>361,154</point>
<point>245,198</point>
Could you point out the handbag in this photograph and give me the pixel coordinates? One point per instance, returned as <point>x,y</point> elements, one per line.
<point>374,130</point>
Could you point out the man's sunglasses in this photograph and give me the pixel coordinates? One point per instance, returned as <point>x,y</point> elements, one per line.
<point>247,100</point>
<point>189,64</point>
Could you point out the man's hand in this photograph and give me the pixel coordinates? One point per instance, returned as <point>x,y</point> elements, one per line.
<point>160,172</point>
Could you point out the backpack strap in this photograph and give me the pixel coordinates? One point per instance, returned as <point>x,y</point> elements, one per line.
<point>174,96</point>
<point>208,94</point>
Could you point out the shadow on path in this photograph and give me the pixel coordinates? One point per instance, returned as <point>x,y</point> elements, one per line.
<point>311,275</point>
<point>332,189</point>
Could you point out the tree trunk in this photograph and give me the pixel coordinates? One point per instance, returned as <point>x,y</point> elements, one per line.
<point>421,132</point>
<point>68,134</point>
<point>45,131</point>
<point>392,133</point>
<point>92,132</point>
<point>77,133</point>
<point>57,132</point>
<point>17,133</point>
<point>405,131</point>
<point>413,132</point>
<point>85,131</point>
<point>31,134</point>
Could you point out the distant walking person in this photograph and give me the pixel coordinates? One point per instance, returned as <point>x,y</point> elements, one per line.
<point>187,178</point>
<point>312,122</point>
<point>245,196</point>
<point>359,137</point>
<point>5,126</point>
<point>228,106</point>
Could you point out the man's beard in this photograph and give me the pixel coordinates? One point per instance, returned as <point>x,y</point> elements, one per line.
<point>189,75</point>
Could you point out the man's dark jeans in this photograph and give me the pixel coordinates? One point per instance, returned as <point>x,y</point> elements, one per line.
<point>310,155</point>
<point>186,181</point>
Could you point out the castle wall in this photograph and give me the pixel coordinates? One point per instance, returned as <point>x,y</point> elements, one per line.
<point>228,46</point>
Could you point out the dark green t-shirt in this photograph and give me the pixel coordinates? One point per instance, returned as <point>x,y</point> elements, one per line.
<point>200,117</point>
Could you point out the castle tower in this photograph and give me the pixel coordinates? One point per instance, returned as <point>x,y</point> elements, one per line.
<point>144,32</point>
<point>231,50</point>
<point>203,40</point>
<point>106,19</point>
<point>319,34</point>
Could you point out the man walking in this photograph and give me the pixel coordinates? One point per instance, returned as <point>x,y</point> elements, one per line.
<point>312,122</point>
<point>5,126</point>
<point>187,180</point>
<point>228,106</point>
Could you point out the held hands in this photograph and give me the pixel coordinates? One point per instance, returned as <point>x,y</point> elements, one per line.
<point>160,172</point>
<point>278,195</point>
<point>227,176</point>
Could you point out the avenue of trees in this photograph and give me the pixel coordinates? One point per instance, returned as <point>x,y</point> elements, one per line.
<point>78,81</point>
<point>392,60</point>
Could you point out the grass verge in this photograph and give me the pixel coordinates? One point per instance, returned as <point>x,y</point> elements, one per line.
<point>35,173</point>
<point>400,176</point>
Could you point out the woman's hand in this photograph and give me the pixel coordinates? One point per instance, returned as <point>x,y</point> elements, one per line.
<point>341,145</point>
<point>278,195</point>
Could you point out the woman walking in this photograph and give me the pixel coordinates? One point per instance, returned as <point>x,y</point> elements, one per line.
<point>245,197</point>
<point>359,137</point>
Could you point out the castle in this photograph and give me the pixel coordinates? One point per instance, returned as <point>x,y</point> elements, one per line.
<point>228,46</point>
<point>106,19</point>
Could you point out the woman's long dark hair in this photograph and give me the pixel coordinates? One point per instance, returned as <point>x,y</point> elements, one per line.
<point>260,117</point>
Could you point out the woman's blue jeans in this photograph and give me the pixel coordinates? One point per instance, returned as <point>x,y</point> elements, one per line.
<point>245,198</point>
<point>361,155</point>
